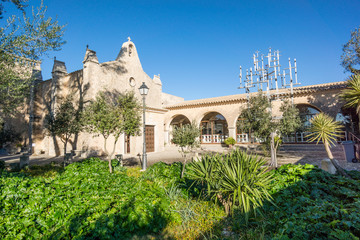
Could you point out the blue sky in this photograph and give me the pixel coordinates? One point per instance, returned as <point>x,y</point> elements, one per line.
<point>198,46</point>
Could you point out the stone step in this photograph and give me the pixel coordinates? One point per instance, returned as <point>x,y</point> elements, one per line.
<point>308,147</point>
<point>287,151</point>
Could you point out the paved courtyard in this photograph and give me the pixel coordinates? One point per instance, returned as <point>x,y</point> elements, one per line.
<point>296,154</point>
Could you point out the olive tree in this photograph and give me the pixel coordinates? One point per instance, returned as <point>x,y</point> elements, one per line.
<point>111,116</point>
<point>65,122</point>
<point>186,138</point>
<point>131,112</point>
<point>28,36</point>
<point>257,118</point>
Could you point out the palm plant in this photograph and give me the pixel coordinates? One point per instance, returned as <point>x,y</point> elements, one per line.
<point>351,94</point>
<point>325,129</point>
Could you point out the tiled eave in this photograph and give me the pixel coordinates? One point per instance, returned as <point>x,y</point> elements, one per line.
<point>240,98</point>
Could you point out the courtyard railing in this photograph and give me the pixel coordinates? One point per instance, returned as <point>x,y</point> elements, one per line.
<point>213,138</point>
<point>299,137</point>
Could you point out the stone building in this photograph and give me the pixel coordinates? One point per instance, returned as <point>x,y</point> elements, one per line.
<point>218,117</point>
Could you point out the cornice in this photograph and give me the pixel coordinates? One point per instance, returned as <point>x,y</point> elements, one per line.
<point>240,98</point>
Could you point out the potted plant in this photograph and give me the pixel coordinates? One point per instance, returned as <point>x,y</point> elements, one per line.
<point>230,142</point>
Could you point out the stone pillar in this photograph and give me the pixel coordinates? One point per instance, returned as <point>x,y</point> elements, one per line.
<point>166,137</point>
<point>232,132</point>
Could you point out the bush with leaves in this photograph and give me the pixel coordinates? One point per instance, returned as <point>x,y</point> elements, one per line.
<point>313,204</point>
<point>230,141</point>
<point>83,202</point>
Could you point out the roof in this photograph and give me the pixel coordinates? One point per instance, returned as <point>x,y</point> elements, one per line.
<point>242,97</point>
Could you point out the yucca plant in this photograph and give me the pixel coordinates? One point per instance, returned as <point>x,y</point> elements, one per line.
<point>325,129</point>
<point>351,94</point>
<point>244,182</point>
<point>205,171</point>
<point>237,180</point>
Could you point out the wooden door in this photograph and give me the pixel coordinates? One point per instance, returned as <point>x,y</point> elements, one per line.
<point>127,143</point>
<point>149,138</point>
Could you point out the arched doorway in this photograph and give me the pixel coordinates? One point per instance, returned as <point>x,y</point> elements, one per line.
<point>178,121</point>
<point>214,128</point>
<point>306,112</point>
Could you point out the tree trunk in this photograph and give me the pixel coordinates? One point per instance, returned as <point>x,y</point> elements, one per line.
<point>56,145</point>
<point>273,151</point>
<point>74,143</point>
<point>336,165</point>
<point>65,143</point>
<point>113,150</point>
<point>226,203</point>
<point>107,153</point>
<point>31,115</point>
<point>184,163</point>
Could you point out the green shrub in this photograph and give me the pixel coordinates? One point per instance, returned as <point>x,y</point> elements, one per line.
<point>313,204</point>
<point>82,202</point>
<point>230,141</point>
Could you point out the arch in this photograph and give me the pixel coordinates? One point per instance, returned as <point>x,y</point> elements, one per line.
<point>177,120</point>
<point>201,114</point>
<point>214,128</point>
<point>306,112</point>
<point>174,118</point>
<point>308,105</point>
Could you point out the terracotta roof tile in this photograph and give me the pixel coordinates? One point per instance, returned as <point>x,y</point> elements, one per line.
<point>242,97</point>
